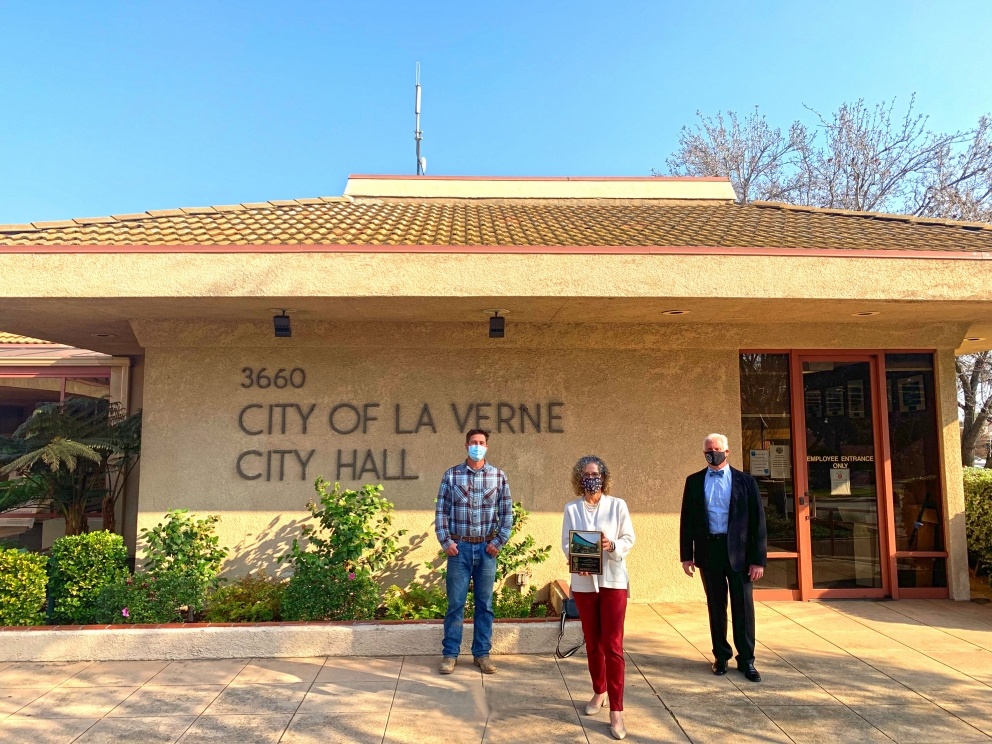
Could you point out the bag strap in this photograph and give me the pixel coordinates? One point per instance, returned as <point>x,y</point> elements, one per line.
<point>565,614</point>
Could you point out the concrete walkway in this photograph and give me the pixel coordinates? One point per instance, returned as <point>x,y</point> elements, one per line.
<point>908,671</point>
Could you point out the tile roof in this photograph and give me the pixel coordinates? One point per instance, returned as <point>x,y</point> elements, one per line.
<point>344,221</point>
<point>13,338</point>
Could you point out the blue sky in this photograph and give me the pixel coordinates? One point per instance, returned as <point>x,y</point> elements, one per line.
<point>109,108</point>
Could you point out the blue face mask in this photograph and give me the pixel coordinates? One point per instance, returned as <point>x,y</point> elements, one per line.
<point>477,452</point>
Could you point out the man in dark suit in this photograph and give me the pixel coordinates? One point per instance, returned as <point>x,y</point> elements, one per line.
<point>723,534</point>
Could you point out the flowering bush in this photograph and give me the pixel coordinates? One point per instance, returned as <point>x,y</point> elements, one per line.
<point>149,599</point>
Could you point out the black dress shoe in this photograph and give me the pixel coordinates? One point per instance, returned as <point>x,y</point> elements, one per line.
<point>748,670</point>
<point>719,668</point>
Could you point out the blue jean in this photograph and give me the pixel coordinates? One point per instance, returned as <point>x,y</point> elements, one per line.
<point>472,562</point>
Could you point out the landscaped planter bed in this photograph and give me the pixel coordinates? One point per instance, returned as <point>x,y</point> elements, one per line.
<point>268,640</point>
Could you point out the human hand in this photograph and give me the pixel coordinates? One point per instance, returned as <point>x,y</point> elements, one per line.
<point>689,567</point>
<point>756,572</point>
<point>452,550</point>
<point>492,550</point>
<point>607,544</point>
<point>584,573</point>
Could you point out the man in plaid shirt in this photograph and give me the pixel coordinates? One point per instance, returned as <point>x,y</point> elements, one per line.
<point>472,522</point>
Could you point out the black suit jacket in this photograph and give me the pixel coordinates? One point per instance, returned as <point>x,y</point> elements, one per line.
<point>747,536</point>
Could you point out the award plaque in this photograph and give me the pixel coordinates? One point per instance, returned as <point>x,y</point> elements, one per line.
<point>585,551</point>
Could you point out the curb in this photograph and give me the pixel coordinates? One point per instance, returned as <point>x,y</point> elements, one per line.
<point>268,640</point>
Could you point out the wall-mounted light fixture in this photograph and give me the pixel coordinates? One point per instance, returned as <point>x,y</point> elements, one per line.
<point>865,314</point>
<point>281,325</point>
<point>674,312</point>
<point>497,325</point>
<point>975,338</point>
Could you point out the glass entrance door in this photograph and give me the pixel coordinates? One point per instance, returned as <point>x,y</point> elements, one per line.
<point>839,500</point>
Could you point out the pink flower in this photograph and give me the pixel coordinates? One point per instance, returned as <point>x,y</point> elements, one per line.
<point>351,577</point>
<point>125,612</point>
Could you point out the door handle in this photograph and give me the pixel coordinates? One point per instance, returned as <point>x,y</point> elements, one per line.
<point>802,500</point>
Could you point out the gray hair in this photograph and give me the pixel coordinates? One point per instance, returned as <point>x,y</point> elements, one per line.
<point>581,465</point>
<point>722,438</point>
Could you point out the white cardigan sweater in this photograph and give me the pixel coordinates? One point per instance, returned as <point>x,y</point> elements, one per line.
<point>613,520</point>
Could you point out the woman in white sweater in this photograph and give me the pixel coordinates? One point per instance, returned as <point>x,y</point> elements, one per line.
<point>601,599</point>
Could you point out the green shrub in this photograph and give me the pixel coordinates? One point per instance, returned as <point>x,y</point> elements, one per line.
<point>145,598</point>
<point>318,592</point>
<point>416,602</point>
<point>249,599</point>
<point>978,514</point>
<point>80,566</point>
<point>353,531</point>
<point>352,538</point>
<point>23,581</point>
<point>186,543</point>
<point>509,602</point>
<point>188,546</point>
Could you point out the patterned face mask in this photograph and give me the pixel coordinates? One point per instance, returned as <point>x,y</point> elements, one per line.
<point>592,483</point>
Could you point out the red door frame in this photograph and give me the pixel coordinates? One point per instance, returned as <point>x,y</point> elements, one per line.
<point>876,363</point>
<point>883,478</point>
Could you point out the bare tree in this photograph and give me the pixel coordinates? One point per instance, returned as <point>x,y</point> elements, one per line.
<point>859,157</point>
<point>868,162</point>
<point>960,184</point>
<point>756,157</point>
<point>975,400</point>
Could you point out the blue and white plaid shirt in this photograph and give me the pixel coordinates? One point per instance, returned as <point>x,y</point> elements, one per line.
<point>473,503</point>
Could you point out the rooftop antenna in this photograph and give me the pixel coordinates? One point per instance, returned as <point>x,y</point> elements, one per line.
<point>417,134</point>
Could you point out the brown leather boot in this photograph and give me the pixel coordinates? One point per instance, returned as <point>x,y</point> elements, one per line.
<point>485,664</point>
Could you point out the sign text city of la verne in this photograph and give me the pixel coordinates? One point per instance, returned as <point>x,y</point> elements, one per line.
<point>358,420</point>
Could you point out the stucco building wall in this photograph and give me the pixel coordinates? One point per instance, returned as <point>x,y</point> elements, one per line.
<point>642,396</point>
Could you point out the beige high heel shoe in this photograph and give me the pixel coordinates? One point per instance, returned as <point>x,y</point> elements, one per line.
<point>592,709</point>
<point>619,732</point>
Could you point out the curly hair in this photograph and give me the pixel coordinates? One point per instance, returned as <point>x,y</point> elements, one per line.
<point>604,471</point>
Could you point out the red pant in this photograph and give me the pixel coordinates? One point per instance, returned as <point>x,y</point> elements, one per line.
<point>602,614</point>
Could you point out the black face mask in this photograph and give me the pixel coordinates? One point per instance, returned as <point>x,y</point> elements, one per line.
<point>592,483</point>
<point>715,458</point>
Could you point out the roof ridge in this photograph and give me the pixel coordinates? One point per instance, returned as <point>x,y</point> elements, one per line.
<point>166,213</point>
<point>885,216</point>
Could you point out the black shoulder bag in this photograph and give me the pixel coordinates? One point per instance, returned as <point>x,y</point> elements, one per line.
<point>569,611</point>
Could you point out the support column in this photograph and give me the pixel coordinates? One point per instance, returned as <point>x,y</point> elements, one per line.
<point>952,485</point>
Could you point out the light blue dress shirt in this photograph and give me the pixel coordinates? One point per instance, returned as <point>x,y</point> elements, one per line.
<point>717,491</point>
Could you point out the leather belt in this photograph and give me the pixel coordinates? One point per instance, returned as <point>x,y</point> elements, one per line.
<point>473,540</point>
<point>720,536</point>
